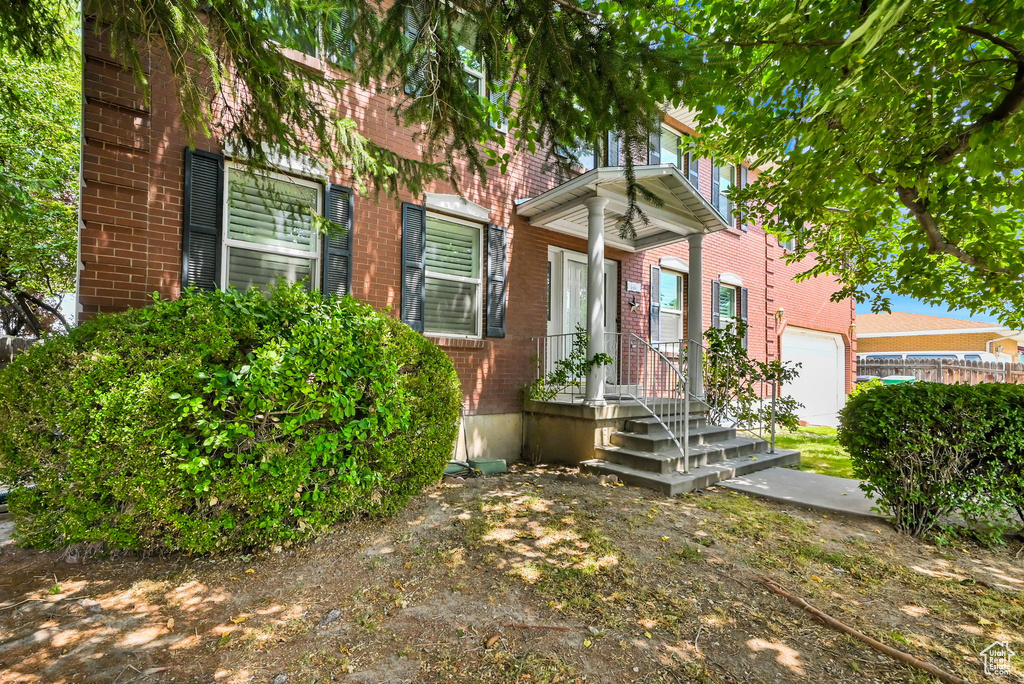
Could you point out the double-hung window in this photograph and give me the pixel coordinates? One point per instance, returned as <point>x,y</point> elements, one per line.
<point>453,298</point>
<point>473,69</point>
<point>324,40</point>
<point>727,305</point>
<point>671,147</point>
<point>270,230</point>
<point>726,175</point>
<point>671,298</point>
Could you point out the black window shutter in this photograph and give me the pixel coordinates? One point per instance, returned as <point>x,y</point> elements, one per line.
<point>741,219</point>
<point>414,258</point>
<point>497,260</point>
<point>614,155</point>
<point>655,304</point>
<point>716,182</point>
<point>339,27</point>
<point>716,304</point>
<point>743,316</point>
<point>416,75</point>
<point>337,267</point>
<point>204,213</point>
<point>654,148</point>
<point>693,169</point>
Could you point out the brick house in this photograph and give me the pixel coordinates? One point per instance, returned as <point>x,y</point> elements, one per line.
<point>484,274</point>
<point>882,334</point>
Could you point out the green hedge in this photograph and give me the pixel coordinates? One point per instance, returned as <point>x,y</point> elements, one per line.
<point>928,450</point>
<point>223,421</point>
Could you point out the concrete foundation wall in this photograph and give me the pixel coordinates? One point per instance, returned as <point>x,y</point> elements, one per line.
<point>486,436</point>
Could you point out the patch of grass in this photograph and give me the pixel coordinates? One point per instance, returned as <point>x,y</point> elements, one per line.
<point>819,449</point>
<point>746,517</point>
<point>499,666</point>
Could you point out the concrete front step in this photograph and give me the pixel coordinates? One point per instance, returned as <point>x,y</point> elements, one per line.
<point>659,440</point>
<point>651,425</point>
<point>676,483</point>
<point>671,460</point>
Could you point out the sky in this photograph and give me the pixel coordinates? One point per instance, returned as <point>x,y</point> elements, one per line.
<point>909,305</point>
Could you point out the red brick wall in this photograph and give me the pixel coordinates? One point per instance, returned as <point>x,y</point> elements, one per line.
<point>133,172</point>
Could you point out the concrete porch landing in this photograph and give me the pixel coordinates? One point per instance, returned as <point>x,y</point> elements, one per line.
<point>821,492</point>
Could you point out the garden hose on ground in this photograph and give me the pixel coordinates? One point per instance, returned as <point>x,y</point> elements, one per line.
<point>461,469</point>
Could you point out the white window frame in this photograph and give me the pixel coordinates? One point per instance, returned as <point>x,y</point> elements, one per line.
<point>227,242</point>
<point>722,195</point>
<point>726,321</point>
<point>480,75</point>
<point>479,280</point>
<point>681,311</point>
<point>678,161</point>
<point>481,79</point>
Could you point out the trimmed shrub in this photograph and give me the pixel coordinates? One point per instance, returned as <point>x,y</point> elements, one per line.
<point>928,450</point>
<point>223,420</point>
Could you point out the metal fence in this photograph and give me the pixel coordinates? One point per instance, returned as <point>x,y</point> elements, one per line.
<point>947,371</point>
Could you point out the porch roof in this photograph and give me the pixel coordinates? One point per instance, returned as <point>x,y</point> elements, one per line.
<point>684,211</point>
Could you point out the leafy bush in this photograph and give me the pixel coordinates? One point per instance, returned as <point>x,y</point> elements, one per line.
<point>221,421</point>
<point>928,451</point>
<point>732,381</point>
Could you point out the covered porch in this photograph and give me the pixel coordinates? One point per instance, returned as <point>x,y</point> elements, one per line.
<point>641,417</point>
<point>594,207</point>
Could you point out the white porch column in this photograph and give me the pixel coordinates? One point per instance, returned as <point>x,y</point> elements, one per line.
<point>695,314</point>
<point>595,297</point>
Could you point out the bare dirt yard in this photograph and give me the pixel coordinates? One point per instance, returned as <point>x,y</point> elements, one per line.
<point>528,577</point>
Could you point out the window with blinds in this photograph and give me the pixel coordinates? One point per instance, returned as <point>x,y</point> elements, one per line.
<point>671,299</point>
<point>727,304</point>
<point>453,278</point>
<point>270,231</point>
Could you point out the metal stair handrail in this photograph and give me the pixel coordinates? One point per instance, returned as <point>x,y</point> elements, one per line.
<point>660,378</point>
<point>646,373</point>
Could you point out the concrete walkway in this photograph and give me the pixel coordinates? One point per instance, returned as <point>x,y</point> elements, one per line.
<point>823,492</point>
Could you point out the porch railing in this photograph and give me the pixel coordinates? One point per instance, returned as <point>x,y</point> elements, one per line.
<point>653,376</point>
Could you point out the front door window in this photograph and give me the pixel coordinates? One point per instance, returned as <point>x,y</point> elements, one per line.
<point>575,295</point>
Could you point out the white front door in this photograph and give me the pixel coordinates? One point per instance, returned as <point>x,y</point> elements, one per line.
<point>567,300</point>
<point>567,292</point>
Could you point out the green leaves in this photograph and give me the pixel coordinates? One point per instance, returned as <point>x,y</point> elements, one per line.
<point>235,398</point>
<point>928,451</point>
<point>895,138</point>
<point>735,385</point>
<point>40,112</point>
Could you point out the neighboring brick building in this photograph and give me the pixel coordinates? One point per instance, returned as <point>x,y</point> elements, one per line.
<point>146,225</point>
<point>909,332</point>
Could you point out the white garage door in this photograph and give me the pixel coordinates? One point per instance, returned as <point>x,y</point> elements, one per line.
<point>820,386</point>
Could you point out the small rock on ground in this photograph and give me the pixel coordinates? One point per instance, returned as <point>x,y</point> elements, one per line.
<point>331,616</point>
